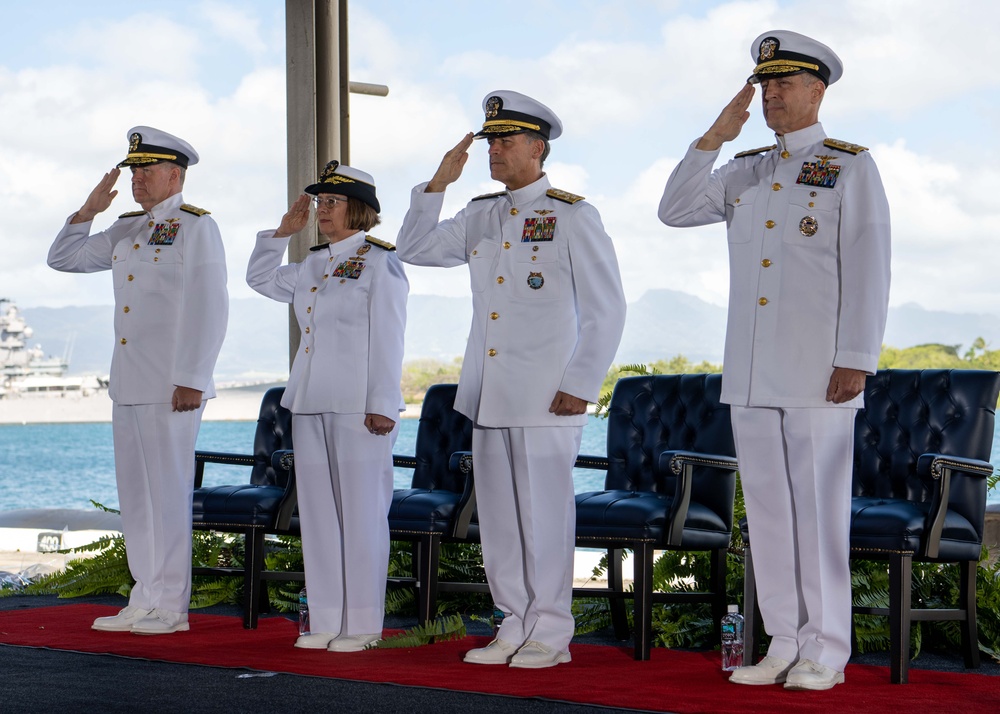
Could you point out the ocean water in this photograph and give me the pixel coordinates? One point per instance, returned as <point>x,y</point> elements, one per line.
<point>68,465</point>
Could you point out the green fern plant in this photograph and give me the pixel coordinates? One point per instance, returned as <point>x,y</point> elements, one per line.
<point>443,629</point>
<point>601,407</point>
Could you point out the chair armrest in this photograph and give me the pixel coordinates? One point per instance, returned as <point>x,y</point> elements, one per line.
<point>404,462</point>
<point>682,464</point>
<point>599,463</point>
<point>216,457</point>
<point>284,460</point>
<point>942,468</point>
<point>461,461</point>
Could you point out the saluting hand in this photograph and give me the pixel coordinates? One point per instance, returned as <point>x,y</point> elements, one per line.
<point>451,166</point>
<point>729,124</point>
<point>99,199</point>
<point>296,218</point>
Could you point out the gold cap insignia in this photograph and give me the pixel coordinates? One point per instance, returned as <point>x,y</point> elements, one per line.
<point>768,46</point>
<point>134,141</point>
<point>493,106</point>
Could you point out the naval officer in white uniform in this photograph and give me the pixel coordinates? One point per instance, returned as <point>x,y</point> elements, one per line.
<point>171,306</point>
<point>808,226</point>
<point>548,312</point>
<point>349,297</point>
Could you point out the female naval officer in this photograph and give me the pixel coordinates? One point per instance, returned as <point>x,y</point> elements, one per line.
<point>349,297</point>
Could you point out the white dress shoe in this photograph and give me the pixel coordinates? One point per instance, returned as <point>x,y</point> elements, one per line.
<point>122,622</point>
<point>315,640</point>
<point>769,670</point>
<point>813,676</point>
<point>496,652</point>
<point>161,622</point>
<point>535,655</point>
<point>353,643</point>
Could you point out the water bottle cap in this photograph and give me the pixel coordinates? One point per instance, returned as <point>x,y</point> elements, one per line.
<point>734,608</point>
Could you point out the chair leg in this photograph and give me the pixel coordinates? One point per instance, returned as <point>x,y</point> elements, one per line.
<point>717,586</point>
<point>425,566</point>
<point>900,596</point>
<point>619,619</point>
<point>967,599</point>
<point>751,618</point>
<point>253,545</point>
<point>643,590</point>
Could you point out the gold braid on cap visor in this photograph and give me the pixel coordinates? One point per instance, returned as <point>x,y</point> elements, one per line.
<point>776,66</point>
<point>500,125</point>
<point>146,157</point>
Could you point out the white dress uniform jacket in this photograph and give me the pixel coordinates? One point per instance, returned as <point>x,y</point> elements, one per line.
<point>349,299</point>
<point>171,303</point>
<point>548,305</point>
<point>808,228</point>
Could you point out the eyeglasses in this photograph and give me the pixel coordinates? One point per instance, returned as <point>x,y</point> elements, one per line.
<point>328,202</point>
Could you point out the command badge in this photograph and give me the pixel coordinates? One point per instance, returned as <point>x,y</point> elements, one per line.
<point>535,281</point>
<point>537,230</point>
<point>808,226</point>
<point>363,248</point>
<point>819,173</point>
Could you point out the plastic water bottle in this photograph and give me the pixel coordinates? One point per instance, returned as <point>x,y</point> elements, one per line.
<point>498,616</point>
<point>732,639</point>
<point>304,613</point>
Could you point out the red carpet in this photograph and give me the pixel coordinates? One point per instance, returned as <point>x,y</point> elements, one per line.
<point>672,681</point>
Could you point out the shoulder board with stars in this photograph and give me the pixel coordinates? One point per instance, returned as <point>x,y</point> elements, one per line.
<point>754,152</point>
<point>498,194</point>
<point>380,243</point>
<point>561,195</point>
<point>187,207</point>
<point>845,146</point>
<point>132,214</point>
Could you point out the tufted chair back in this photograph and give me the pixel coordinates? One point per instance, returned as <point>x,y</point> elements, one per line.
<point>274,432</point>
<point>909,413</point>
<point>442,431</point>
<point>677,412</point>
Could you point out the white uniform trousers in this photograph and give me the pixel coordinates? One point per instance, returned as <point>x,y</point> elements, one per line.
<point>795,468</point>
<point>154,468</point>
<point>344,480</point>
<point>527,522</point>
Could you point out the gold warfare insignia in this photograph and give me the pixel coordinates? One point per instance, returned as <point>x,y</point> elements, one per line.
<point>543,212</point>
<point>768,46</point>
<point>134,141</point>
<point>538,230</point>
<point>561,195</point>
<point>844,146</point>
<point>753,152</point>
<point>808,226</point>
<point>535,281</point>
<point>194,209</point>
<point>362,249</point>
<point>493,106</point>
<point>819,173</point>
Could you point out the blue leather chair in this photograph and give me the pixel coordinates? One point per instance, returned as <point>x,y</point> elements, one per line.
<point>670,485</point>
<point>263,506</point>
<point>921,457</point>
<point>440,503</point>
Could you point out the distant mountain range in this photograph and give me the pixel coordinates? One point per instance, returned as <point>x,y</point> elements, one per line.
<point>660,325</point>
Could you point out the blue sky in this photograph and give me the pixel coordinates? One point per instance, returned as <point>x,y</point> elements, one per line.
<point>634,83</point>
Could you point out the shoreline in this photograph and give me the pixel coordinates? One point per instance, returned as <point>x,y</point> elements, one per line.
<point>229,404</point>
